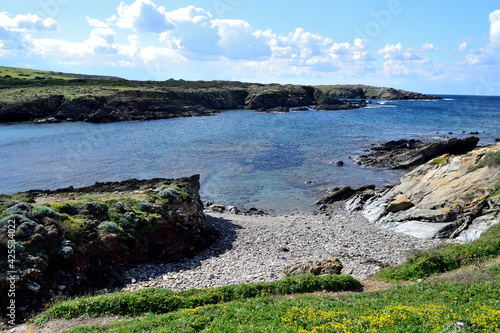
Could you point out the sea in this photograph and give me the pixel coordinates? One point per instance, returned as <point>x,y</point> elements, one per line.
<point>277,162</point>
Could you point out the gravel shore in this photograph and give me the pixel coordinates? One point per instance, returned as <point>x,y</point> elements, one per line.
<point>257,248</point>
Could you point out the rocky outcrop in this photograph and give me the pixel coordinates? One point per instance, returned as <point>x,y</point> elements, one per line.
<point>450,196</point>
<point>316,267</point>
<point>277,97</point>
<point>404,154</point>
<point>344,193</point>
<point>368,92</point>
<point>73,241</point>
<point>158,102</point>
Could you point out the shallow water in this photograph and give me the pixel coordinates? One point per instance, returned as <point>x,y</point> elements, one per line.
<point>276,162</point>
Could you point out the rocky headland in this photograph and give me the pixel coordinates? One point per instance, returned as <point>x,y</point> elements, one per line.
<point>454,194</point>
<point>101,100</point>
<point>74,241</point>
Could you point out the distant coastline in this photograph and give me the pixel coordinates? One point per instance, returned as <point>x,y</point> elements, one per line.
<point>48,97</point>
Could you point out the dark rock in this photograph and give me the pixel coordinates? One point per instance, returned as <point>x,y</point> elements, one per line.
<point>344,193</point>
<point>409,153</point>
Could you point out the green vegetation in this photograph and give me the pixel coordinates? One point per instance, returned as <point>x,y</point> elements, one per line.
<point>462,301</point>
<point>443,306</point>
<point>165,301</point>
<point>445,258</point>
<point>440,160</point>
<point>491,159</point>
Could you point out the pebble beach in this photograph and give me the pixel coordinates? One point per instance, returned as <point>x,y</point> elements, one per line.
<point>254,248</point>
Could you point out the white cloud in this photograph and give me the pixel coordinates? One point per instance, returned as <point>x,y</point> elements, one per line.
<point>397,52</point>
<point>429,47</point>
<point>495,29</point>
<point>28,22</point>
<point>238,40</point>
<point>402,61</point>
<point>100,42</point>
<point>483,56</point>
<point>462,47</point>
<point>490,54</point>
<point>96,23</point>
<point>142,16</point>
<point>160,56</point>
<point>193,33</point>
<point>297,44</point>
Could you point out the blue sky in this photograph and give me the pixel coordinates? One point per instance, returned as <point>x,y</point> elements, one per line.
<point>441,47</point>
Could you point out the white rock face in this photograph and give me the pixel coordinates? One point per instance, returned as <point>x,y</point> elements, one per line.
<point>478,226</point>
<point>442,192</point>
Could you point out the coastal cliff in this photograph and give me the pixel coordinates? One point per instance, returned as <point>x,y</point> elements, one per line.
<point>73,241</point>
<point>87,98</point>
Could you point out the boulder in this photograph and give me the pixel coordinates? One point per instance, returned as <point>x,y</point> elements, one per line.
<point>399,203</point>
<point>317,267</point>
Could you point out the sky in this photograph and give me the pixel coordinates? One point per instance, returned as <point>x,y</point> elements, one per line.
<point>437,47</point>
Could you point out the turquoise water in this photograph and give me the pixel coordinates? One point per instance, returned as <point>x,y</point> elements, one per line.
<point>276,162</point>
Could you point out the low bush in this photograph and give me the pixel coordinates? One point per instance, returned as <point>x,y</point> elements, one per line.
<point>110,227</point>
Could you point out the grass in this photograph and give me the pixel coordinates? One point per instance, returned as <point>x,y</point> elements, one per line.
<point>491,159</point>
<point>456,302</point>
<point>427,307</point>
<point>445,258</point>
<point>165,301</point>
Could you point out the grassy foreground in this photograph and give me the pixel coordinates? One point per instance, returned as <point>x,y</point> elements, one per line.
<point>465,302</point>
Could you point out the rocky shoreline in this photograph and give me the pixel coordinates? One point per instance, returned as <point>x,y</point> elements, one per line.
<point>153,101</point>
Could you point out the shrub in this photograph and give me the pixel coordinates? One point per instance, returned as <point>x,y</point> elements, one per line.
<point>64,208</point>
<point>143,205</point>
<point>172,192</point>
<point>20,208</point>
<point>95,209</point>
<point>110,227</point>
<point>41,211</point>
<point>19,220</point>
